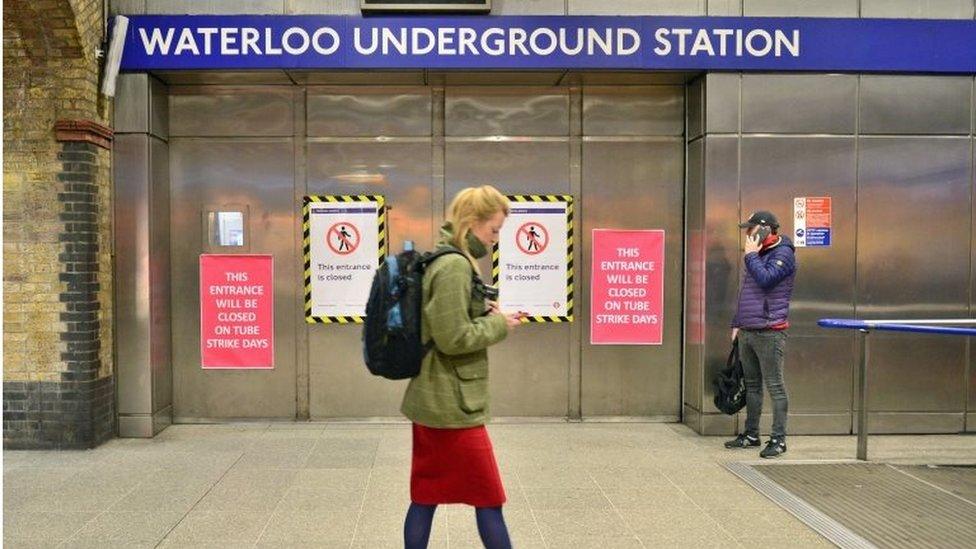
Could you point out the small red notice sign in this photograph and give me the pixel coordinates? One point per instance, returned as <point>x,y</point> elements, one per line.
<point>627,293</point>
<point>236,311</point>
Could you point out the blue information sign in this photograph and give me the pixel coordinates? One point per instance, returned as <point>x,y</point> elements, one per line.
<point>549,42</point>
<point>818,237</point>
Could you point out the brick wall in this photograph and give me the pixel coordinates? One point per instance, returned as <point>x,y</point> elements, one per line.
<point>57,357</point>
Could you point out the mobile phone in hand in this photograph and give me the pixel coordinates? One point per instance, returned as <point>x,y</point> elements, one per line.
<point>763,232</point>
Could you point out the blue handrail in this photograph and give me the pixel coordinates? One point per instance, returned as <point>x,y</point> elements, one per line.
<point>848,324</point>
<point>864,328</point>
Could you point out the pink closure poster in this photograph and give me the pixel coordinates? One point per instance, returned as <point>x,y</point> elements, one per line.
<point>236,311</point>
<point>627,287</point>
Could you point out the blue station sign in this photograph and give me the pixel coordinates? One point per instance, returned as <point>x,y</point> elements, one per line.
<point>549,42</point>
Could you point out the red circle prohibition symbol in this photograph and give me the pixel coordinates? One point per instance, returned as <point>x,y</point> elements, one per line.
<point>536,238</point>
<point>344,244</point>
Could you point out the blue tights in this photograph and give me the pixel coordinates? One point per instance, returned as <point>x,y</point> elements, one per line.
<point>491,527</point>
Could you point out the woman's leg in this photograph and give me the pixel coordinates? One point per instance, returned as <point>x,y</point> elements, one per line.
<point>416,528</point>
<point>491,528</point>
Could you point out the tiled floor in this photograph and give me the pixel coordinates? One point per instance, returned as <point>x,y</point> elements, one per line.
<point>329,485</point>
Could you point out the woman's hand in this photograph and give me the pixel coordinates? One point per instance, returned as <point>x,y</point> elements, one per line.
<point>513,319</point>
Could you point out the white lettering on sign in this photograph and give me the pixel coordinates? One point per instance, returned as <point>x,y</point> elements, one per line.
<point>533,245</point>
<point>449,41</point>
<point>236,311</point>
<point>344,238</point>
<point>627,287</point>
<point>756,43</point>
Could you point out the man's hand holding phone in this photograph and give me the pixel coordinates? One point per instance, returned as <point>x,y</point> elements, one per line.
<point>753,243</point>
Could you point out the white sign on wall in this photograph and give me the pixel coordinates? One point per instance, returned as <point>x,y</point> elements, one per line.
<point>812,221</point>
<point>345,238</point>
<point>532,263</point>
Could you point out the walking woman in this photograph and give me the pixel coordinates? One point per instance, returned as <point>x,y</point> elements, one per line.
<point>453,460</point>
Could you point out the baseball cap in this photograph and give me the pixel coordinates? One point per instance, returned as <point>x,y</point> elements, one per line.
<point>761,217</point>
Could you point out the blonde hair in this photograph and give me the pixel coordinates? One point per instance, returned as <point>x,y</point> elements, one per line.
<point>470,206</point>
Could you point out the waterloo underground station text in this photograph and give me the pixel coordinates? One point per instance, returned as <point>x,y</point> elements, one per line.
<point>461,41</point>
<point>190,42</point>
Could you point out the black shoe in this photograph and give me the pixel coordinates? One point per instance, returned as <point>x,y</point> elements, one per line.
<point>742,441</point>
<point>774,448</point>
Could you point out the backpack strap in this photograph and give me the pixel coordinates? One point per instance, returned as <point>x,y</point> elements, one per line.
<point>439,252</point>
<point>425,262</point>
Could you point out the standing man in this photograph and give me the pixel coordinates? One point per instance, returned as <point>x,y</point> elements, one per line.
<point>760,323</point>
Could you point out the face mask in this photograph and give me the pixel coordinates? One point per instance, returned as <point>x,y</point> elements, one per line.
<point>475,246</point>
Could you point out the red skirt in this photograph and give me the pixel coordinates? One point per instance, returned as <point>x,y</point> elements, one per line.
<point>454,466</point>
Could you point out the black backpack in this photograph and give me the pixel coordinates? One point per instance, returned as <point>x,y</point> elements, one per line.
<point>730,385</point>
<point>391,334</point>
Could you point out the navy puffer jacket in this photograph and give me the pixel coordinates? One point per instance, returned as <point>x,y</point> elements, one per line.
<point>767,286</point>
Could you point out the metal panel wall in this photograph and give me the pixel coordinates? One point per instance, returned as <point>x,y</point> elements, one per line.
<point>916,105</point>
<point>636,7</point>
<point>158,108</point>
<point>808,103</point>
<point>506,112</point>
<point>694,307</point>
<point>142,268</point>
<point>971,405</point>
<point>724,8</point>
<point>530,369</point>
<point>346,156</point>
<point>914,222</point>
<point>516,139</point>
<point>127,7</point>
<point>634,184</point>
<point>910,192</point>
<point>339,384</point>
<point>695,113</point>
<point>131,280</point>
<point>369,112</point>
<point>774,171</point>
<point>259,173</point>
<point>633,111</point>
<point>930,9</point>
<point>197,7</point>
<point>914,192</point>
<point>225,112</point>
<point>316,7</point>
<point>132,108</point>
<point>528,7</point>
<point>519,139</point>
<point>722,105</point>
<point>800,8</point>
<point>160,315</point>
<point>722,256</point>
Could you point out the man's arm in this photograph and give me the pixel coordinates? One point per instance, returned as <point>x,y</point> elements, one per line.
<point>770,270</point>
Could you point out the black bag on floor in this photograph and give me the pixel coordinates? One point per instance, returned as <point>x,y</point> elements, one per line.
<point>730,384</point>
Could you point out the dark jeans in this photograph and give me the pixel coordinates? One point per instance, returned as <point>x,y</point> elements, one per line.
<point>762,353</point>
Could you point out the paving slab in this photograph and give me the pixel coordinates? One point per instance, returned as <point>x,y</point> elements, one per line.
<point>337,485</point>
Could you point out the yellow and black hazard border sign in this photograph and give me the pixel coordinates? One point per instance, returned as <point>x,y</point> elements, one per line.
<point>307,245</point>
<point>495,268</point>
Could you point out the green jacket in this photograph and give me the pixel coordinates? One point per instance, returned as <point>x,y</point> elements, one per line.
<point>451,390</point>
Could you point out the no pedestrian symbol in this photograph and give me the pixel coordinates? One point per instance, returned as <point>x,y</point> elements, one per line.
<point>343,238</point>
<point>532,238</point>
